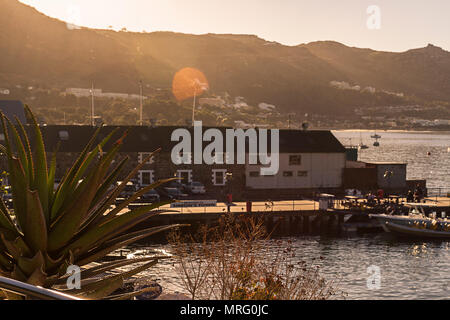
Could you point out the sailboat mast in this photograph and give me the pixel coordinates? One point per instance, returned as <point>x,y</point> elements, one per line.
<point>140,104</point>
<point>92,106</point>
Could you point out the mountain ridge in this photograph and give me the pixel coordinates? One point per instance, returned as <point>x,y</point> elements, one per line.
<point>39,49</point>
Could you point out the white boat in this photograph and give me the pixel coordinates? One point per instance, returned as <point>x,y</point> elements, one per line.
<point>416,223</point>
<point>363,146</point>
<point>376,137</point>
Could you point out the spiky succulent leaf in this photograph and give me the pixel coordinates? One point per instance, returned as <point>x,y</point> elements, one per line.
<point>53,229</point>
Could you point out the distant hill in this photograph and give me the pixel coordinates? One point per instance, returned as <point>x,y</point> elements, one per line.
<point>37,49</point>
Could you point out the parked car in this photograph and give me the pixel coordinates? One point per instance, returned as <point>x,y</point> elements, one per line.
<point>176,184</point>
<point>175,193</point>
<point>196,187</point>
<point>129,190</point>
<point>151,196</point>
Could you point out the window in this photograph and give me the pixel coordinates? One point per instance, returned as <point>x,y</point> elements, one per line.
<point>63,135</point>
<point>219,177</point>
<point>184,158</point>
<point>254,174</point>
<point>146,177</point>
<point>186,175</point>
<point>143,155</point>
<point>295,160</point>
<point>288,174</point>
<point>302,173</point>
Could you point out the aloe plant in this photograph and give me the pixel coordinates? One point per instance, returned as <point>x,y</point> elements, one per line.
<point>73,224</point>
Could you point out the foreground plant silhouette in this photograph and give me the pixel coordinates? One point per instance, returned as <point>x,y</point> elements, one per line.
<point>50,229</point>
<point>232,261</point>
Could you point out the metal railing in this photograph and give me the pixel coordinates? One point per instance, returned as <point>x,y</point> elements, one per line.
<point>438,192</point>
<point>32,292</point>
<point>256,206</point>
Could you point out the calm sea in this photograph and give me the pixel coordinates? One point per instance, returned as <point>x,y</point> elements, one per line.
<point>408,269</point>
<point>408,147</point>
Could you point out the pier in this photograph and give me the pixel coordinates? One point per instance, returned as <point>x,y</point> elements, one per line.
<point>285,218</point>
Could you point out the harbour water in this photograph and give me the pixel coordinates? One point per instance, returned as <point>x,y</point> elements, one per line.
<point>408,269</point>
<point>426,153</point>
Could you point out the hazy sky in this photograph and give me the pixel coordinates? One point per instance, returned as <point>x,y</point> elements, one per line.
<point>404,24</point>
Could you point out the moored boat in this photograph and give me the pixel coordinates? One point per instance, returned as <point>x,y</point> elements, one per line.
<point>416,223</point>
<point>415,231</point>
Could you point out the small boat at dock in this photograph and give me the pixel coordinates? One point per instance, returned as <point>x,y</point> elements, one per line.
<point>417,223</point>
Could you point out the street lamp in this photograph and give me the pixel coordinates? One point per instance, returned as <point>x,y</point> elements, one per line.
<point>229,177</point>
<point>140,103</point>
<point>388,174</point>
<point>203,87</point>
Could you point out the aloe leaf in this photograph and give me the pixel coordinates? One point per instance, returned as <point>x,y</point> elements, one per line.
<point>16,248</point>
<point>6,262</point>
<point>93,286</point>
<point>5,219</point>
<point>91,156</point>
<point>38,277</point>
<point>136,195</point>
<point>19,145</point>
<point>40,173</point>
<point>35,228</point>
<point>105,267</point>
<point>103,289</point>
<point>28,151</point>
<point>52,263</point>
<point>109,229</point>
<point>17,274</point>
<point>19,183</point>
<point>106,184</point>
<point>51,182</point>
<point>130,295</point>
<point>63,189</point>
<point>68,223</point>
<point>71,182</point>
<point>120,242</point>
<point>118,190</point>
<point>29,265</point>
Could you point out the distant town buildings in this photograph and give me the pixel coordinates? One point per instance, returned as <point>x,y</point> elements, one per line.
<point>266,106</point>
<point>82,92</point>
<point>213,102</point>
<point>4,91</point>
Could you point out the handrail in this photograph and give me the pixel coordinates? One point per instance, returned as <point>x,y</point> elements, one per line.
<point>26,289</point>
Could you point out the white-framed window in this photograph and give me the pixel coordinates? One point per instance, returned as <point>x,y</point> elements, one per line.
<point>143,155</point>
<point>219,177</point>
<point>146,177</point>
<point>186,175</point>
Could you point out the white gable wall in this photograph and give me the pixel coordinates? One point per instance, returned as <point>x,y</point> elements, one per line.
<point>317,170</point>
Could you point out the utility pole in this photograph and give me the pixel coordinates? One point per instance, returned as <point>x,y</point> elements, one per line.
<point>92,106</point>
<point>193,106</point>
<point>141,103</point>
<point>289,119</point>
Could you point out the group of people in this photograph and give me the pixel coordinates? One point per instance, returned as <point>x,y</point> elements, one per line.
<point>415,196</point>
<point>373,198</point>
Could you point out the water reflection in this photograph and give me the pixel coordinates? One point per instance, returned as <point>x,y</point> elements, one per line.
<point>408,269</point>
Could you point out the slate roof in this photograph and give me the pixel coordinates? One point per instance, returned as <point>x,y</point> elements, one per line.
<point>148,139</point>
<point>11,108</point>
